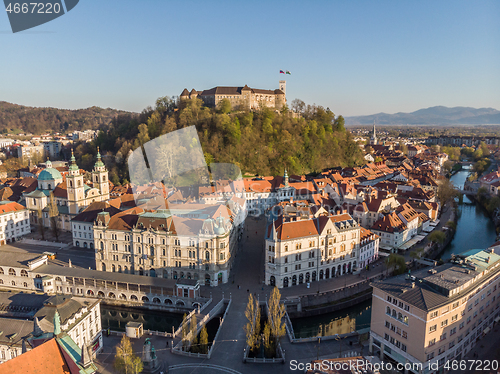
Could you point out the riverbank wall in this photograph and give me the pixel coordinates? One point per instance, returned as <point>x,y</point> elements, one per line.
<point>326,302</point>
<point>332,307</point>
<point>437,249</point>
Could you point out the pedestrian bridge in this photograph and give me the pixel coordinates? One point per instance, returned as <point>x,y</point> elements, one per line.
<point>468,192</point>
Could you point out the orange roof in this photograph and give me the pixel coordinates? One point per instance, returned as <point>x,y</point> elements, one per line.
<point>257,185</point>
<point>47,358</point>
<point>11,207</point>
<point>297,229</point>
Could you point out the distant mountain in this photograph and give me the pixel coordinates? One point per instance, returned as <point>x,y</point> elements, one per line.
<point>438,115</point>
<point>38,120</point>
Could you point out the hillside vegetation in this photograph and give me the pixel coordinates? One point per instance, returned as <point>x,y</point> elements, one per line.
<point>19,118</point>
<point>260,142</point>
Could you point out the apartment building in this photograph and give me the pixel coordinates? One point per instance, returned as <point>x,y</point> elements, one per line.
<point>302,247</point>
<point>190,241</point>
<point>14,221</point>
<point>436,314</point>
<point>368,247</point>
<point>27,152</point>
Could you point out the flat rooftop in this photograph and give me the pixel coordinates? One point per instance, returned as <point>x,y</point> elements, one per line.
<point>432,287</point>
<point>12,257</point>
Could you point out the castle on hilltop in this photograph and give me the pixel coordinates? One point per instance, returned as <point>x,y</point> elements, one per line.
<point>245,97</point>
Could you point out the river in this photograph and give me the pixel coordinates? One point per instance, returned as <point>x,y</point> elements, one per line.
<point>474,230</point>
<point>474,227</point>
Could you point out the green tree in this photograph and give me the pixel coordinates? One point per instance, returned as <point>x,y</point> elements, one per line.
<point>397,262</point>
<point>252,327</point>
<point>417,253</point>
<point>204,340</point>
<point>142,137</point>
<point>267,340</point>
<point>452,225</point>
<point>224,106</point>
<point>194,336</point>
<point>275,316</point>
<point>446,191</point>
<point>437,237</point>
<point>125,359</point>
<point>493,204</point>
<point>339,124</point>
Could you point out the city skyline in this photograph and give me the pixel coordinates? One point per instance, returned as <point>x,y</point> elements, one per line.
<point>355,59</point>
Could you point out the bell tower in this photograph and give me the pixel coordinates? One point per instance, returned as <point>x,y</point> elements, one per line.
<point>75,187</point>
<point>100,177</point>
<point>283,86</point>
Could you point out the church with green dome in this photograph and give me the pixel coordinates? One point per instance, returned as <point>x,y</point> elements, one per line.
<point>69,193</point>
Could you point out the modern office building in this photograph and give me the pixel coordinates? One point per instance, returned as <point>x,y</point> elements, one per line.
<point>436,314</point>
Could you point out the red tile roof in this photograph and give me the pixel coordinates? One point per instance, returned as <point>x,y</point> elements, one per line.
<point>11,207</point>
<point>47,358</point>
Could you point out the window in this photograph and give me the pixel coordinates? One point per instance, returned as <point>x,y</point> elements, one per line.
<point>432,342</point>
<point>444,323</point>
<point>434,314</point>
<point>433,328</point>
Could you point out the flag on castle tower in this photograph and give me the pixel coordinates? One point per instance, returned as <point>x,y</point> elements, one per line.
<point>288,72</point>
<point>282,72</point>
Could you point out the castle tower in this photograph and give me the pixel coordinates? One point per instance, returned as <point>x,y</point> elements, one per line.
<point>75,186</point>
<point>283,86</point>
<point>100,177</point>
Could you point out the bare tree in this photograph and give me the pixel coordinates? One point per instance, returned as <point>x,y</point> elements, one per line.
<point>54,216</point>
<point>41,226</point>
<point>252,328</point>
<point>275,316</point>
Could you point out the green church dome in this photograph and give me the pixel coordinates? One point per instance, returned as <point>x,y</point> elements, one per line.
<point>49,174</point>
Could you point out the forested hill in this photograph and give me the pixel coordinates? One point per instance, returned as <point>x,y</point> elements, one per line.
<point>260,142</point>
<point>27,119</point>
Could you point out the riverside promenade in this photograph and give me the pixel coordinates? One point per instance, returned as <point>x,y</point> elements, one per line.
<point>227,356</point>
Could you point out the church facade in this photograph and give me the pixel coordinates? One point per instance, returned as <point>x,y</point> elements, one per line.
<point>70,195</point>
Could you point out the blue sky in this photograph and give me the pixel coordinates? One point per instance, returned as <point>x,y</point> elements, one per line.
<point>356,57</point>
